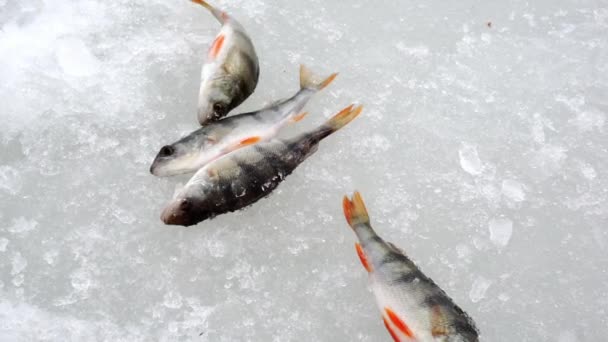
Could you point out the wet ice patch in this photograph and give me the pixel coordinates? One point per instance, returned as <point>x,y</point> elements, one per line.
<point>469,159</point>
<point>501,230</point>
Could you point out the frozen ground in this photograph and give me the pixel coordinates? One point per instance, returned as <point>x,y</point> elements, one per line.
<point>482,152</point>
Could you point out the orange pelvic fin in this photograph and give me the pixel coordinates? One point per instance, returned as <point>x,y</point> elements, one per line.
<point>216,47</point>
<point>363,257</point>
<point>391,331</point>
<point>399,323</point>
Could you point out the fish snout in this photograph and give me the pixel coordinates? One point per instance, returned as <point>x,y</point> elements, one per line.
<point>178,213</point>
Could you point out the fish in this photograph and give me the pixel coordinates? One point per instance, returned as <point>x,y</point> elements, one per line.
<point>231,70</point>
<point>413,307</point>
<point>219,138</point>
<point>248,174</point>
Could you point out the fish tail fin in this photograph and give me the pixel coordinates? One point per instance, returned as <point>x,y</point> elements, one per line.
<point>336,122</point>
<point>354,210</point>
<point>308,80</point>
<point>221,16</point>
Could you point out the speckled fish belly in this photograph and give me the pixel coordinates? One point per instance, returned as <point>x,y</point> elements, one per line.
<point>247,175</point>
<point>221,137</point>
<point>413,307</point>
<point>231,71</point>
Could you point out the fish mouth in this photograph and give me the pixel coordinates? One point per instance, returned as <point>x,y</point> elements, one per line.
<point>158,170</point>
<point>171,217</point>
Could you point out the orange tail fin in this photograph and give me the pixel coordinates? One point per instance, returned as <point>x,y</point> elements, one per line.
<point>354,210</point>
<point>307,79</point>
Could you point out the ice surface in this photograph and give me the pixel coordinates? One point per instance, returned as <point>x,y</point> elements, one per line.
<point>464,123</point>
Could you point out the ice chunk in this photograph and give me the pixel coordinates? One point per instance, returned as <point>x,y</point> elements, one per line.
<point>19,263</point>
<point>588,171</point>
<point>172,300</point>
<point>3,243</point>
<point>10,179</point>
<point>479,288</point>
<point>18,279</point>
<point>513,189</point>
<point>75,58</point>
<point>81,280</point>
<point>469,159</point>
<point>50,256</point>
<point>500,231</point>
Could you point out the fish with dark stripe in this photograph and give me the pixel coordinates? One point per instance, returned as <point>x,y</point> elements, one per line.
<point>246,175</point>
<point>413,307</point>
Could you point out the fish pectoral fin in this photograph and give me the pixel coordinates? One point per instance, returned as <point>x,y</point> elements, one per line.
<point>439,326</point>
<point>363,257</point>
<point>298,117</point>
<point>248,141</point>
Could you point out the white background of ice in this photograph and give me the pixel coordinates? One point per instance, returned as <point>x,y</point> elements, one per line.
<point>464,124</point>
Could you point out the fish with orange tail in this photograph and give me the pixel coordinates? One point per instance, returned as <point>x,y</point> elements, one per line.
<point>413,307</point>
<point>231,71</point>
<point>248,174</point>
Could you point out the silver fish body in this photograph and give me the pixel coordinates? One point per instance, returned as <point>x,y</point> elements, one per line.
<point>413,307</point>
<point>247,175</point>
<point>221,137</point>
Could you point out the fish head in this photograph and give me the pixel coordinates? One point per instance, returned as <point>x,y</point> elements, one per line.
<point>185,211</point>
<point>216,99</point>
<point>174,159</point>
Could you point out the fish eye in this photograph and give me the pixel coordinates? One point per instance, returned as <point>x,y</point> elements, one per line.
<point>218,108</point>
<point>166,151</point>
